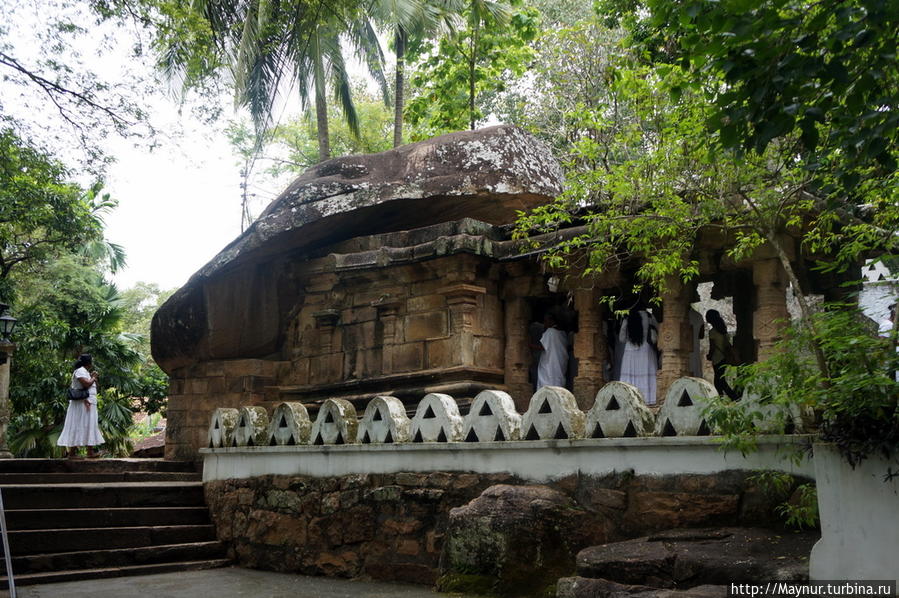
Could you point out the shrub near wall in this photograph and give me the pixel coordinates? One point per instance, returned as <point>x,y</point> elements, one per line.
<point>394,526</point>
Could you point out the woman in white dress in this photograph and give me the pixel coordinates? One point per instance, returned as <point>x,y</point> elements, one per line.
<point>81,427</point>
<point>639,362</point>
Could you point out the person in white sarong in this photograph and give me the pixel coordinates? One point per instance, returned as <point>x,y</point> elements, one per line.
<point>82,427</point>
<point>639,362</point>
<point>553,363</point>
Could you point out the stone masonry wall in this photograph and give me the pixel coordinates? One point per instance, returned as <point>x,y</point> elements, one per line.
<point>392,526</point>
<point>195,391</point>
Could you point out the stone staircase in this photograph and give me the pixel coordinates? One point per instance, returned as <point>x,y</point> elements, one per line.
<point>71,520</point>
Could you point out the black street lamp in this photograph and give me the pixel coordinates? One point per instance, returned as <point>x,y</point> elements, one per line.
<point>7,326</point>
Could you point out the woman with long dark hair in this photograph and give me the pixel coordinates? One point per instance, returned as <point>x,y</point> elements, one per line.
<point>721,352</point>
<point>82,425</point>
<point>639,361</point>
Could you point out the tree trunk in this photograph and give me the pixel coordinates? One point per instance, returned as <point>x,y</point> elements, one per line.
<point>321,107</point>
<point>472,61</point>
<point>400,40</point>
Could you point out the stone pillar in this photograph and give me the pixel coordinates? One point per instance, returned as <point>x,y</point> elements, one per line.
<point>326,322</point>
<point>771,315</point>
<point>462,300</point>
<point>6,351</point>
<point>589,347</point>
<point>387,314</point>
<point>675,336</point>
<point>517,353</point>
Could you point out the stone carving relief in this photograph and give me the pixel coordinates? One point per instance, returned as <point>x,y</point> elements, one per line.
<point>289,425</point>
<point>681,415</point>
<point>437,419</point>
<point>336,423</point>
<point>384,422</point>
<point>553,414</point>
<point>619,412</point>
<point>492,417</point>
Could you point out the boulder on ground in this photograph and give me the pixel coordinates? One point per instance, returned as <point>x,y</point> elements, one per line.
<point>687,558</point>
<point>515,540</point>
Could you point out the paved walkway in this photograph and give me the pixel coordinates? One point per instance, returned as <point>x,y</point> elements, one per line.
<point>226,583</point>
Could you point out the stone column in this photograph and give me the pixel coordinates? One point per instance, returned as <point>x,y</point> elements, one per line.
<point>462,300</point>
<point>387,314</point>
<point>6,351</point>
<point>589,347</point>
<point>517,353</point>
<point>675,336</point>
<point>771,315</point>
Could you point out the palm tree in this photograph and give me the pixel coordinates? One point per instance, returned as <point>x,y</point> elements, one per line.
<point>266,43</point>
<point>410,19</point>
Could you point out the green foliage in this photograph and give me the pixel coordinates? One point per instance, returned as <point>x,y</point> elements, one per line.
<point>42,214</point>
<point>456,72</point>
<point>799,503</point>
<point>299,137</point>
<point>859,407</point>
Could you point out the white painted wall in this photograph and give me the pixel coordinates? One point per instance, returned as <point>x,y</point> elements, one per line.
<point>859,519</point>
<point>535,460</point>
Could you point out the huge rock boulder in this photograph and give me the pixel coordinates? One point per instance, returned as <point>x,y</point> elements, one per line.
<point>233,307</point>
<point>515,541</point>
<point>684,559</point>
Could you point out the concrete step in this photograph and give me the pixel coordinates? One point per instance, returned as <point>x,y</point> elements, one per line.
<point>121,494</point>
<point>41,541</point>
<point>104,477</point>
<point>121,557</point>
<point>75,575</point>
<point>95,465</point>
<point>34,519</point>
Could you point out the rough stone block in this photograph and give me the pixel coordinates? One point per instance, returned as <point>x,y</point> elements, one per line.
<point>619,411</point>
<point>437,419</point>
<point>426,303</point>
<point>681,415</point>
<point>384,421</point>
<point>289,425</point>
<point>336,423</point>
<point>553,414</point>
<point>423,326</point>
<point>492,417</point>
<point>408,357</point>
<point>489,352</point>
<point>252,427</point>
<point>442,353</point>
<point>221,427</point>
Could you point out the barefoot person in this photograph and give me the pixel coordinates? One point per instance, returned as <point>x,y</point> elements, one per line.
<point>81,427</point>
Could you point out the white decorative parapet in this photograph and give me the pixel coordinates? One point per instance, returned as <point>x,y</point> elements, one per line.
<point>252,427</point>
<point>492,417</point>
<point>681,415</point>
<point>289,425</point>
<point>221,428</point>
<point>619,412</point>
<point>437,419</point>
<point>384,421</point>
<point>336,423</point>
<point>552,415</point>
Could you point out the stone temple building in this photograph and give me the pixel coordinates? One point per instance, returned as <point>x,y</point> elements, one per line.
<point>395,274</point>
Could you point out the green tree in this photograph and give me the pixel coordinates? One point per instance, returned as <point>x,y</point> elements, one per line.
<point>264,44</point>
<point>476,60</point>
<point>42,214</point>
<point>409,21</point>
<point>67,309</point>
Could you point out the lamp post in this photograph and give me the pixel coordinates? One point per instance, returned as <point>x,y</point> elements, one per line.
<point>7,326</point>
